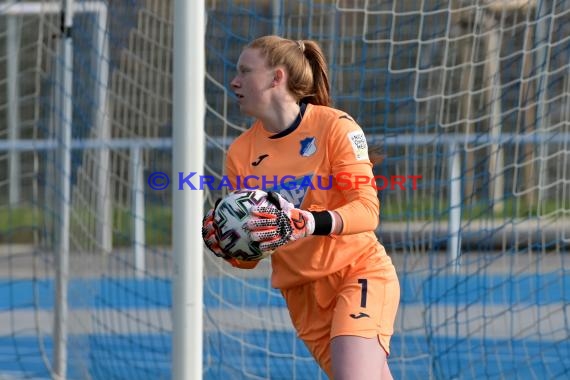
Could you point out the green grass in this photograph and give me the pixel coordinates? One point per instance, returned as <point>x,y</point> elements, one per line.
<point>418,209</point>
<point>25,224</point>
<point>18,225</point>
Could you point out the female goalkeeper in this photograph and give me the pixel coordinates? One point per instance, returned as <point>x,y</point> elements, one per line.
<point>339,284</point>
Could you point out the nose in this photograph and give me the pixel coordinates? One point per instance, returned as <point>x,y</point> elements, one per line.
<point>234,83</point>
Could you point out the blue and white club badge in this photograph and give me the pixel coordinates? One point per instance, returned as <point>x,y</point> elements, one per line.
<point>308,146</point>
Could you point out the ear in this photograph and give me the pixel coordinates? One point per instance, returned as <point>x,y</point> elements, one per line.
<point>278,76</point>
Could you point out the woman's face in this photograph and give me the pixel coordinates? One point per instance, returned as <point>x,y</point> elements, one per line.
<point>252,83</point>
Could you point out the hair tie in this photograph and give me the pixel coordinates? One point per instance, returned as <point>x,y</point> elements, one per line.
<point>301,45</point>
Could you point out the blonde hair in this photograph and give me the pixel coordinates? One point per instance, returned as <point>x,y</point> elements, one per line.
<point>305,63</point>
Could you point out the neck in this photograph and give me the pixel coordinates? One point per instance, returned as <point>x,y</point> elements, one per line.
<point>281,119</point>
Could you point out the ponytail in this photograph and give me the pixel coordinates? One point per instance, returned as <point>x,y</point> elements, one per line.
<point>321,87</point>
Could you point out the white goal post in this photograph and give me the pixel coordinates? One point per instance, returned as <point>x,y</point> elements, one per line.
<point>189,104</point>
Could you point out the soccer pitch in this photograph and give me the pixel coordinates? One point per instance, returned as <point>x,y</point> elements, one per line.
<point>125,336</point>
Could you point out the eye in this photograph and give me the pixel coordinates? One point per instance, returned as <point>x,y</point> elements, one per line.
<point>243,70</point>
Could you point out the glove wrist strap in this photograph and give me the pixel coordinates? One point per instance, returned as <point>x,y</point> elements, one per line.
<point>323,223</point>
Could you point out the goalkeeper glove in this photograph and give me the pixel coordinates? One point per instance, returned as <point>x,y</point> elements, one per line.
<point>277,225</point>
<point>209,233</point>
<point>213,244</point>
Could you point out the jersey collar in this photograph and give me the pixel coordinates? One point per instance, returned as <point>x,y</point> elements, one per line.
<point>292,127</point>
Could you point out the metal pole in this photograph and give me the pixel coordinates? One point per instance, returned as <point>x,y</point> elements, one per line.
<point>63,132</point>
<point>13,109</point>
<point>188,156</point>
<point>276,14</point>
<point>138,209</point>
<point>103,133</point>
<point>493,72</point>
<point>542,121</point>
<point>454,226</point>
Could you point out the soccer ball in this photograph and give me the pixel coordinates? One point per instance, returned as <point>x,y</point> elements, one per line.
<point>229,219</point>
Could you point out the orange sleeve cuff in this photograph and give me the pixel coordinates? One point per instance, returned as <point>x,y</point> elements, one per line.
<point>236,263</point>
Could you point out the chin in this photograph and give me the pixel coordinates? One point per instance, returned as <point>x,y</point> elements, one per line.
<point>246,111</point>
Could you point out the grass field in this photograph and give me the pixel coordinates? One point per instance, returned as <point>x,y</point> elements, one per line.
<point>18,225</point>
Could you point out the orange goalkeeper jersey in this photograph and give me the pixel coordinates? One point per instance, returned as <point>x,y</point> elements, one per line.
<point>320,163</point>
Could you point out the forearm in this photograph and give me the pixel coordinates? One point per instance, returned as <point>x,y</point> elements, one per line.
<point>358,216</point>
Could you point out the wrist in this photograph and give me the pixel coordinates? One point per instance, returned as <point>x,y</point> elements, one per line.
<point>323,223</point>
<point>327,223</point>
<point>309,222</point>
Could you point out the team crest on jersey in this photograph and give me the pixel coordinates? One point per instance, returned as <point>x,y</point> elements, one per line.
<point>308,146</point>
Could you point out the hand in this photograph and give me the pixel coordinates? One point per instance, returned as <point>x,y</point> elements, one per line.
<point>276,225</point>
<point>209,233</point>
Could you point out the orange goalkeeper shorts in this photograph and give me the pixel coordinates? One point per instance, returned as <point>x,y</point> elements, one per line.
<point>360,300</point>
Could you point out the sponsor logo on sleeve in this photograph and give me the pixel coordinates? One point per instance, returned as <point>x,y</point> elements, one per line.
<point>359,145</point>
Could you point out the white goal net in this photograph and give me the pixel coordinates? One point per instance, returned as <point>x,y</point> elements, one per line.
<point>473,96</point>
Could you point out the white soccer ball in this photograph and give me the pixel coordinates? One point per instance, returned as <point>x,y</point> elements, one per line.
<point>229,219</point>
